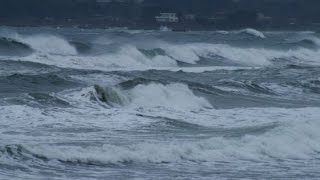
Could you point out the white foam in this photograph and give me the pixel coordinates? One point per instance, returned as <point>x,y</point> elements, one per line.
<point>296,138</point>
<point>290,134</point>
<point>172,96</point>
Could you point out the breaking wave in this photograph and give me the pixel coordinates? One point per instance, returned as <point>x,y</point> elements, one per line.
<point>127,57</point>
<point>57,51</point>
<point>153,95</point>
<point>133,58</point>
<point>40,43</point>
<point>50,44</point>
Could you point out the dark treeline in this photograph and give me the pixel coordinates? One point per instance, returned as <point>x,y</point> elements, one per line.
<point>241,12</point>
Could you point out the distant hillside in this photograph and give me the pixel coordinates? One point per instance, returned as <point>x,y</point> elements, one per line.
<point>234,13</point>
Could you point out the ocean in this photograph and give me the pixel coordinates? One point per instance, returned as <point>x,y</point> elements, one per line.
<point>129,104</point>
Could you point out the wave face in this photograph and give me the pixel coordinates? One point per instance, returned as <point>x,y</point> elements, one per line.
<point>12,47</point>
<point>121,104</point>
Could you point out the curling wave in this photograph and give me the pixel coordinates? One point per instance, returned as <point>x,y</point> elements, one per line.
<point>149,95</point>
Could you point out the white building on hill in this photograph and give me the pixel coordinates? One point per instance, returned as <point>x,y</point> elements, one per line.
<point>167,17</point>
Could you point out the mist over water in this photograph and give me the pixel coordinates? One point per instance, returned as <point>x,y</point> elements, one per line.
<point>119,104</point>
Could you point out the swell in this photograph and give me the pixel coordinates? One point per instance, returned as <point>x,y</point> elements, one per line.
<point>178,126</point>
<point>20,83</point>
<point>247,85</point>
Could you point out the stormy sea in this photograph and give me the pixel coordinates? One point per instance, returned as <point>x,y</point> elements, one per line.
<point>128,104</point>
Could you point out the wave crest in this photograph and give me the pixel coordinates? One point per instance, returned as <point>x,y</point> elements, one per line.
<point>253,32</point>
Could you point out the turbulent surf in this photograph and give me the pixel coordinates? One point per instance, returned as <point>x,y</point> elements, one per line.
<point>121,104</point>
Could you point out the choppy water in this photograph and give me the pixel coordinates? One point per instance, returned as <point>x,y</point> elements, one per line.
<point>112,104</point>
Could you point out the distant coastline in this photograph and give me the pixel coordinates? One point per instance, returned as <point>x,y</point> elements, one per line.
<point>101,23</point>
